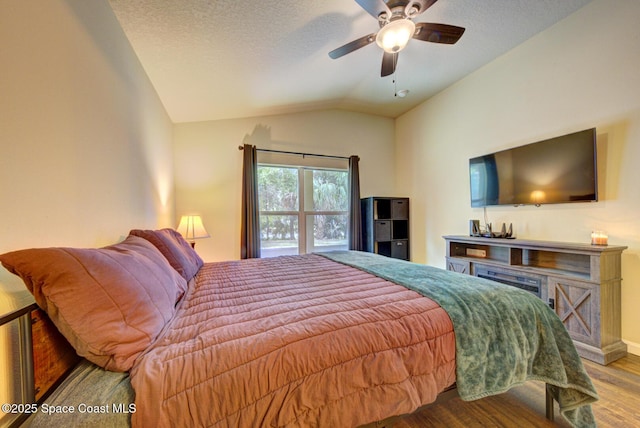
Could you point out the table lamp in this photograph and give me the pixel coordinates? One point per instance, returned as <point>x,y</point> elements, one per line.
<point>191,228</point>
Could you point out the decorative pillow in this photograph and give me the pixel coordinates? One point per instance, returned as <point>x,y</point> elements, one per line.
<point>173,246</point>
<point>110,303</point>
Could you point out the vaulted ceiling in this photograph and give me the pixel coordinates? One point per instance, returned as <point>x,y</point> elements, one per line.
<point>220,59</point>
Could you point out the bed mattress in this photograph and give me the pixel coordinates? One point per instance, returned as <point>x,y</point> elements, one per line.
<point>293,341</point>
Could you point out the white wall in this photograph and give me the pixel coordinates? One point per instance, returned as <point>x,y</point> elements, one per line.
<point>208,164</point>
<point>581,73</point>
<point>85,144</point>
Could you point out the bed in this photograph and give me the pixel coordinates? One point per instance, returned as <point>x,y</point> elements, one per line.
<point>334,339</point>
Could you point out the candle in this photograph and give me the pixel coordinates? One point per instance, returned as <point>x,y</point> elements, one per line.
<point>599,238</point>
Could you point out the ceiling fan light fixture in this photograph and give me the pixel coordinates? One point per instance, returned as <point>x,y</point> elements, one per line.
<point>394,36</point>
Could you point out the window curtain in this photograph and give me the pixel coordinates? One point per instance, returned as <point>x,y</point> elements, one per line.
<point>355,215</point>
<point>250,228</point>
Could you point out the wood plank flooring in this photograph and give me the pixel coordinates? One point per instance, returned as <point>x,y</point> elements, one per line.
<point>618,386</point>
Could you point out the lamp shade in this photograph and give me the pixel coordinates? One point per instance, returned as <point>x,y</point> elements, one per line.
<point>394,36</point>
<point>191,228</point>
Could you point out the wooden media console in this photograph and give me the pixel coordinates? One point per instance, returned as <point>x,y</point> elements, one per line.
<point>581,282</point>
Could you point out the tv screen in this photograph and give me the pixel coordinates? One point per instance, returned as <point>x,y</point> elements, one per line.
<point>558,170</point>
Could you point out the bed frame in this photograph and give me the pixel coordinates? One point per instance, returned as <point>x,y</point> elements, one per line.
<point>46,358</point>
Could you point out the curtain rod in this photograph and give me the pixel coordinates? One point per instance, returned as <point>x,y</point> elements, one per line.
<point>297,153</point>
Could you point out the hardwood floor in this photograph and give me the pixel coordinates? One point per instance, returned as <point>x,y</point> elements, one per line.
<point>618,386</point>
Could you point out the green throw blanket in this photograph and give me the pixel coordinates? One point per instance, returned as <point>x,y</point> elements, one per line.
<point>504,335</point>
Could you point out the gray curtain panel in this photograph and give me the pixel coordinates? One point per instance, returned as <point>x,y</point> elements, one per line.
<point>250,230</point>
<point>355,215</point>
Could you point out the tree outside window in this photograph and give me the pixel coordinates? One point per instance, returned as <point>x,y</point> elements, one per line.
<point>302,210</point>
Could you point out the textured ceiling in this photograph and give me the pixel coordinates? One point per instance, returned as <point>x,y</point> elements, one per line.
<point>220,59</point>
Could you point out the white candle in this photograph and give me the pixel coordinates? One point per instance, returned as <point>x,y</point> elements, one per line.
<point>599,238</point>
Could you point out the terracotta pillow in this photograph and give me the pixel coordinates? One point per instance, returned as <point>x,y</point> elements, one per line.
<point>110,303</point>
<point>173,246</point>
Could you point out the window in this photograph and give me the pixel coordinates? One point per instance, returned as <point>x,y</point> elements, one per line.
<point>302,209</point>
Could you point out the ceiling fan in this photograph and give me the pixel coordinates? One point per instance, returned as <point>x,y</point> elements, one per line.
<point>395,18</point>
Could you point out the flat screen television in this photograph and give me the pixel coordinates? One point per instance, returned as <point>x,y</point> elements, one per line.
<point>553,171</point>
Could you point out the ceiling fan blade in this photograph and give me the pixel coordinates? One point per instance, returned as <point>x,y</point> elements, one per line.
<point>374,7</point>
<point>438,33</point>
<point>427,5</point>
<point>352,46</point>
<point>389,61</point>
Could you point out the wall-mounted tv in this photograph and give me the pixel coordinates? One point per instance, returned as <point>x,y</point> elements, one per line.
<point>553,171</point>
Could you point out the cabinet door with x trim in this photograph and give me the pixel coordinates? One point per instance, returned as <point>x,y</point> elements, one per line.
<point>577,304</point>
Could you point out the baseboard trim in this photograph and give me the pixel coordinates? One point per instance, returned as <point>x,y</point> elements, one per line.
<point>632,347</point>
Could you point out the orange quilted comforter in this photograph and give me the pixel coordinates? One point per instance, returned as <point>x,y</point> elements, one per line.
<point>293,342</point>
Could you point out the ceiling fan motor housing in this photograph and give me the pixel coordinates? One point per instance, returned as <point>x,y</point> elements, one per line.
<point>401,10</point>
